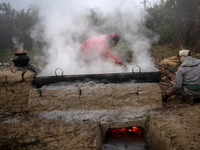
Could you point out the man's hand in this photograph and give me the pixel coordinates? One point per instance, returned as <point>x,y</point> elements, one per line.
<point>165,96</point>
<point>123,65</point>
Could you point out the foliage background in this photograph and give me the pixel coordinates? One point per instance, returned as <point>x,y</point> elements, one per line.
<point>176,21</point>
<point>15,27</point>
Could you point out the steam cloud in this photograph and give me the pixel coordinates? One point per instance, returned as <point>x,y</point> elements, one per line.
<point>16,42</point>
<point>64,26</point>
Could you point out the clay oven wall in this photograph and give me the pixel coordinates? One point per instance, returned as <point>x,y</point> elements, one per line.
<point>15,84</point>
<point>17,95</point>
<point>91,96</point>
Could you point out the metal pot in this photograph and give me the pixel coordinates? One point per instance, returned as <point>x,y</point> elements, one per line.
<point>21,59</point>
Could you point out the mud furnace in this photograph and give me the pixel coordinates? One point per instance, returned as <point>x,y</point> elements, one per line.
<point>74,116</point>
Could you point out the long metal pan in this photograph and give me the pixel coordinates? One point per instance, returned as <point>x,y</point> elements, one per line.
<point>150,76</point>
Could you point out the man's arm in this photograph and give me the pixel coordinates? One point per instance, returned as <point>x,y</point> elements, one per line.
<point>178,82</point>
<point>176,87</point>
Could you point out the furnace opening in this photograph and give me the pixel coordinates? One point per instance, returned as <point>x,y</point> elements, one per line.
<point>125,139</point>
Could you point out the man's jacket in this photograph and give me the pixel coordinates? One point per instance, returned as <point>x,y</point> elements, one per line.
<point>188,78</point>
<point>96,47</point>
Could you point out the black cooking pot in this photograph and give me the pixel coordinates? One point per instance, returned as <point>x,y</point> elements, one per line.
<point>21,59</point>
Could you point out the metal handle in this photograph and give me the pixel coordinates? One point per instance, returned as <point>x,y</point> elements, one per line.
<point>138,67</point>
<point>56,73</point>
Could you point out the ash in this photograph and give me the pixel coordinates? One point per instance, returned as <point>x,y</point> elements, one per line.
<point>124,141</point>
<point>99,116</point>
<point>11,121</point>
<point>135,145</point>
<point>86,82</point>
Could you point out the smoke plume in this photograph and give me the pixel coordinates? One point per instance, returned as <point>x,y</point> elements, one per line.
<point>65,25</point>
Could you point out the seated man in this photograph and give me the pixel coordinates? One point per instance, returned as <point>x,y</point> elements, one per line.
<point>187,77</point>
<point>22,60</point>
<point>101,45</point>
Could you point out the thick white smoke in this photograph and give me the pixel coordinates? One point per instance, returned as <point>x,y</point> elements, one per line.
<point>64,25</point>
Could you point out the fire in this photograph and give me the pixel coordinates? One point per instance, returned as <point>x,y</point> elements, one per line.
<point>133,130</point>
<point>163,78</point>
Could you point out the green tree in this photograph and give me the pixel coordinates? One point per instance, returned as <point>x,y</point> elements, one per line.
<point>7,16</point>
<point>187,23</point>
<point>177,22</point>
<point>160,21</point>
<point>15,27</point>
<point>24,21</point>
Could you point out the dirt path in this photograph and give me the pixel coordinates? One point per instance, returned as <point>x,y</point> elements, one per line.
<point>180,122</point>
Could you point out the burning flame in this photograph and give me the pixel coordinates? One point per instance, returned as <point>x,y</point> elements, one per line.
<point>135,130</point>
<point>163,78</point>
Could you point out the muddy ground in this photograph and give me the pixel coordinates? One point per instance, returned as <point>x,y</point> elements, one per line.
<point>178,121</point>
<point>181,120</point>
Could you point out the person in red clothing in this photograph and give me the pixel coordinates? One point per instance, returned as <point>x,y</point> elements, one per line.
<point>96,47</point>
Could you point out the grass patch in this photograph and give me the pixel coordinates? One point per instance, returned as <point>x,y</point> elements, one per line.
<point>163,51</point>
<point>173,144</point>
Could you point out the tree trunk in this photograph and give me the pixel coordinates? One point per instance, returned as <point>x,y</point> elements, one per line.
<point>188,25</point>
